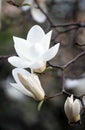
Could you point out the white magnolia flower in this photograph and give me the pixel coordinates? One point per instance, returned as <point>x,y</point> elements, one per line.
<point>27,83</point>
<point>34,51</point>
<point>35,11</point>
<point>72,109</point>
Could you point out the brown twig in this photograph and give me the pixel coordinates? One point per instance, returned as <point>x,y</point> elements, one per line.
<point>69,63</point>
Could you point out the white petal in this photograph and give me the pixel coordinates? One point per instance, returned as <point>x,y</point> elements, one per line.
<point>46,41</point>
<point>71,99</point>
<point>31,84</point>
<point>68,108</point>
<point>35,52</point>
<point>37,15</point>
<point>21,89</point>
<point>18,84</point>
<point>83,99</point>
<point>22,47</point>
<point>40,69</point>
<point>21,71</point>
<point>35,34</point>
<point>37,64</point>
<point>71,84</point>
<point>26,7</point>
<point>76,107</point>
<point>35,79</point>
<point>51,52</point>
<point>18,62</point>
<point>28,83</point>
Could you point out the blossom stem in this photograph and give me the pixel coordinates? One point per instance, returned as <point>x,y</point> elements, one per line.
<point>51,97</point>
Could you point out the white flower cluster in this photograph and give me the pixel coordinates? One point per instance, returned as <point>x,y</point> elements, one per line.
<point>32,53</point>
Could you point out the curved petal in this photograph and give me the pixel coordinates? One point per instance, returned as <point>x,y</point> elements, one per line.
<point>18,62</point>
<point>21,46</point>
<point>51,52</point>
<point>18,85</point>
<point>21,71</point>
<point>22,89</point>
<point>68,108</point>
<point>35,34</point>
<point>46,41</point>
<point>29,82</point>
<point>76,107</point>
<point>37,15</point>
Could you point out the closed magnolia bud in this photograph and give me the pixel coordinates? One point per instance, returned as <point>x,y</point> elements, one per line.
<point>72,109</point>
<point>31,84</point>
<point>28,83</point>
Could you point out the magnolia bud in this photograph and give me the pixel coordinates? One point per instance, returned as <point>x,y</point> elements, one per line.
<point>28,83</point>
<point>31,84</point>
<point>72,109</point>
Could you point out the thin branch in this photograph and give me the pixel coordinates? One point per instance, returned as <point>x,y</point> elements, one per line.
<point>71,24</point>
<point>69,63</point>
<point>63,80</point>
<point>51,97</point>
<point>74,59</point>
<point>48,18</point>
<point>67,30</point>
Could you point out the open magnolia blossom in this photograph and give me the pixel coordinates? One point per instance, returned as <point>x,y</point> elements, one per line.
<point>72,109</point>
<point>27,83</point>
<point>34,51</point>
<point>35,11</point>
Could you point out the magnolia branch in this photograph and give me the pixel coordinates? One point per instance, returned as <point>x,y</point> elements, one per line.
<point>70,27</point>
<point>62,68</point>
<point>69,63</point>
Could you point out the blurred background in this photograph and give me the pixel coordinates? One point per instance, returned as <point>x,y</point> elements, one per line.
<point>18,112</point>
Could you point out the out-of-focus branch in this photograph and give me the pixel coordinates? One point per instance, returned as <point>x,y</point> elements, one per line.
<point>4,57</point>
